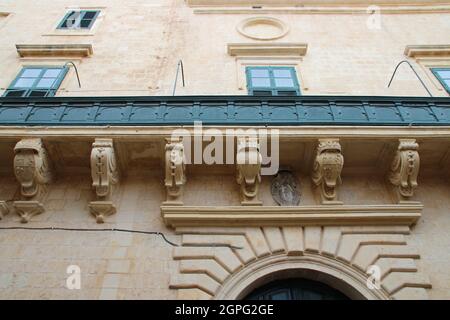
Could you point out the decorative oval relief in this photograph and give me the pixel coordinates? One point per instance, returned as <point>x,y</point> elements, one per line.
<point>263,28</point>
<point>285,190</point>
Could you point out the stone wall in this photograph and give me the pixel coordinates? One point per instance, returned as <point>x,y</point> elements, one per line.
<point>136,50</point>
<point>137,47</point>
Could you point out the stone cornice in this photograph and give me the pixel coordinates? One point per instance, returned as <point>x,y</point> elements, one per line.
<point>384,9</point>
<point>288,132</point>
<point>293,3</point>
<point>54,50</point>
<point>438,50</point>
<point>397,214</point>
<point>267,49</point>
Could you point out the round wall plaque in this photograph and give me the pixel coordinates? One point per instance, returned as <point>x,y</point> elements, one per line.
<point>263,28</point>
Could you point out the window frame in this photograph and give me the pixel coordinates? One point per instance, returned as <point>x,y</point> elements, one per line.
<point>274,90</point>
<point>82,14</point>
<point>435,72</point>
<point>49,92</point>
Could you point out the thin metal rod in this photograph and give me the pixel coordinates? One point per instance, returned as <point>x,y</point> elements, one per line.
<point>180,63</point>
<point>76,71</point>
<point>412,68</point>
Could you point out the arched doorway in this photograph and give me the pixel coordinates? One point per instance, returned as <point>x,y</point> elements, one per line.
<point>329,274</point>
<point>295,289</point>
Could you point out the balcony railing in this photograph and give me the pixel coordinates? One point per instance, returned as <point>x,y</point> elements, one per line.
<point>225,110</point>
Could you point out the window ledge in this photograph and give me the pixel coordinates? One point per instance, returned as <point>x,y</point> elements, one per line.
<point>395,214</point>
<point>54,50</point>
<point>264,49</point>
<point>427,50</point>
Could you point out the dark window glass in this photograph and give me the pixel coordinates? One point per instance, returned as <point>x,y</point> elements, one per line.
<point>79,19</point>
<point>296,289</point>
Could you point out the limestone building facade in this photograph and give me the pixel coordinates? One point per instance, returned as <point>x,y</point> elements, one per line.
<point>209,149</point>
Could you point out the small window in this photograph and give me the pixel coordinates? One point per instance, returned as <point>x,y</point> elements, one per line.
<point>36,82</point>
<point>443,75</point>
<point>272,81</point>
<point>83,19</point>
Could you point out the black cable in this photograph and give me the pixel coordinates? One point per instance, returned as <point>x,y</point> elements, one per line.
<point>412,68</point>
<point>162,235</point>
<point>76,71</point>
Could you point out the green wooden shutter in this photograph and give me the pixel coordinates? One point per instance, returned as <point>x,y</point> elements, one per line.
<point>36,81</point>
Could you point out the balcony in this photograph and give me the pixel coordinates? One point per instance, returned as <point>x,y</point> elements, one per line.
<point>225,110</point>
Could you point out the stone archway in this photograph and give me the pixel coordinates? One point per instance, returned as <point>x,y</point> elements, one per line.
<point>314,267</point>
<point>224,263</point>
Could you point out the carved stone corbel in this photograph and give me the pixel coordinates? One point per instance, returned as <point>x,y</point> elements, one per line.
<point>105,176</point>
<point>405,169</point>
<point>175,172</point>
<point>327,169</point>
<point>32,170</point>
<point>248,164</point>
<point>4,209</point>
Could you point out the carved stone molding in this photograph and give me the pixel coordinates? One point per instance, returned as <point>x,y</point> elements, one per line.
<point>54,50</point>
<point>175,172</point>
<point>217,216</point>
<point>105,176</point>
<point>427,50</point>
<point>267,49</point>
<point>327,169</point>
<point>4,209</point>
<point>248,164</point>
<point>33,171</point>
<point>405,168</point>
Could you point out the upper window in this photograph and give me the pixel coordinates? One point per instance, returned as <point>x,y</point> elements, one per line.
<point>36,82</point>
<point>443,75</point>
<point>83,19</point>
<point>272,81</point>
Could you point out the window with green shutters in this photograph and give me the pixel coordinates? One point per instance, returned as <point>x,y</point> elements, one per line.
<point>443,75</point>
<point>83,19</point>
<point>36,82</point>
<point>272,81</point>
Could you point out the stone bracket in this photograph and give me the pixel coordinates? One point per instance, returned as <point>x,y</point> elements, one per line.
<point>32,169</point>
<point>248,165</point>
<point>328,164</point>
<point>175,172</point>
<point>4,209</point>
<point>105,176</point>
<point>28,209</point>
<point>405,169</point>
<point>101,209</point>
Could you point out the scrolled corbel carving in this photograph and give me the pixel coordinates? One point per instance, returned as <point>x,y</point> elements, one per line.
<point>405,168</point>
<point>105,176</point>
<point>33,171</point>
<point>327,169</point>
<point>248,164</point>
<point>175,172</point>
